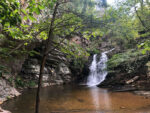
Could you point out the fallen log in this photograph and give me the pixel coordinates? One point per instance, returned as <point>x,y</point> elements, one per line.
<point>132,80</point>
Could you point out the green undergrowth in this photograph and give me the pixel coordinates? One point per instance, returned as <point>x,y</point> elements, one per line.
<point>75,53</point>
<point>3,69</point>
<point>20,82</point>
<point>129,61</point>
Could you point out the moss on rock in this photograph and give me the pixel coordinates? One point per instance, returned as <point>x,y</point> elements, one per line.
<point>129,61</point>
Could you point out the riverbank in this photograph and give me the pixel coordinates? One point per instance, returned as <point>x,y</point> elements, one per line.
<point>7,90</point>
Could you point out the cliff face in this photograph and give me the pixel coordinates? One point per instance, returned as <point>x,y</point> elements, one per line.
<point>63,65</point>
<point>56,70</point>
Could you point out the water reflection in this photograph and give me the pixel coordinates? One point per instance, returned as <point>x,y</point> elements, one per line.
<point>79,99</point>
<point>100,98</point>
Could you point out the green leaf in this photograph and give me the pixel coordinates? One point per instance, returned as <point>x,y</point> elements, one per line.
<point>24,11</point>
<point>32,18</point>
<point>25,17</point>
<point>37,11</point>
<point>26,44</point>
<point>41,7</point>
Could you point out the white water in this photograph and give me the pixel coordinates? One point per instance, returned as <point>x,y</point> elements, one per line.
<point>98,70</point>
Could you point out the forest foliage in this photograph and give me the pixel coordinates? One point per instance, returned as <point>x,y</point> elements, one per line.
<point>23,24</point>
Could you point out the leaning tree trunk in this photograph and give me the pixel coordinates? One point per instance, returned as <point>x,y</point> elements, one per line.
<point>47,48</point>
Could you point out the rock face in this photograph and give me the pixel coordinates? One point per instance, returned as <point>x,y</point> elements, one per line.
<point>56,70</point>
<point>6,90</point>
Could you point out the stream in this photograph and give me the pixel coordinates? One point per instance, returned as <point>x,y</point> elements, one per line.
<point>79,99</point>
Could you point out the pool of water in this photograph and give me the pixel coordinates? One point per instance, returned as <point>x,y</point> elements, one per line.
<point>79,99</point>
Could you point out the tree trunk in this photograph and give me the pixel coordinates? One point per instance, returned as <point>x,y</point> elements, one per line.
<point>47,47</point>
<point>84,7</point>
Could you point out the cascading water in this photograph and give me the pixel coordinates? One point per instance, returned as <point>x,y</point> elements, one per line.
<point>98,70</point>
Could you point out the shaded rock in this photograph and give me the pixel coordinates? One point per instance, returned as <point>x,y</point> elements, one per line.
<point>63,69</point>
<point>56,70</point>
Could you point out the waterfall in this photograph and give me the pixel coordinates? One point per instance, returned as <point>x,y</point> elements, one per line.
<point>98,70</point>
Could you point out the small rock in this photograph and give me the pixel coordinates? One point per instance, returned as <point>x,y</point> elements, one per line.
<point>1,102</point>
<point>80,100</point>
<point>122,107</point>
<point>146,97</point>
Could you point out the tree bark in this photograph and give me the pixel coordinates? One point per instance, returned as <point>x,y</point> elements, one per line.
<point>47,47</point>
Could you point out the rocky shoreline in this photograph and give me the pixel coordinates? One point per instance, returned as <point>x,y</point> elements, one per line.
<point>142,91</point>
<point>7,90</point>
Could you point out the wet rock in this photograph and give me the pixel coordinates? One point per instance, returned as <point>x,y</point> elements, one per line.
<point>122,107</point>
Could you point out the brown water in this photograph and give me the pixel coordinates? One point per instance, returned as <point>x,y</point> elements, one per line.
<point>79,99</point>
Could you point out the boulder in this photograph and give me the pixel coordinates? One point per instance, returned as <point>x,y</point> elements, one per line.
<point>6,90</point>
